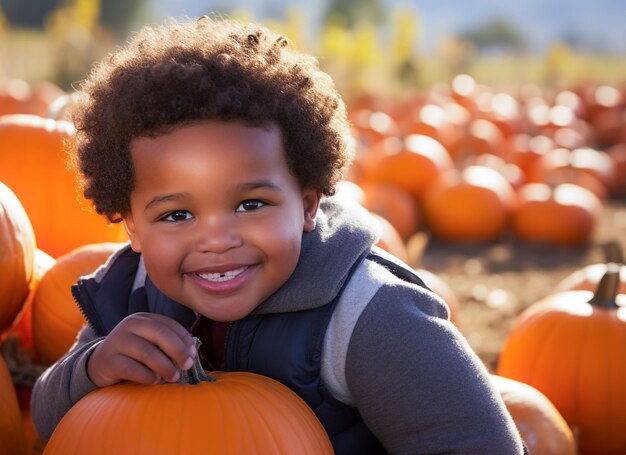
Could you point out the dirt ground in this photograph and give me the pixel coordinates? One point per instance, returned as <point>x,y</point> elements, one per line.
<point>494,283</point>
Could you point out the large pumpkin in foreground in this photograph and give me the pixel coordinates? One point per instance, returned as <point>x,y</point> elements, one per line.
<point>237,413</point>
<point>571,346</point>
<point>17,256</point>
<point>33,164</point>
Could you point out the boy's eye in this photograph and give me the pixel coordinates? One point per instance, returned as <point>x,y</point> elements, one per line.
<point>177,215</point>
<point>252,204</point>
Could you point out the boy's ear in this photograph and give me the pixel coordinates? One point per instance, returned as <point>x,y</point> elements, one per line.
<point>311,202</point>
<point>129,226</point>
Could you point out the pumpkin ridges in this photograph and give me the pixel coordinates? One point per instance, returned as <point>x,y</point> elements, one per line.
<point>473,204</point>
<point>616,402</point>
<point>141,426</point>
<point>17,256</point>
<point>587,328</point>
<point>564,215</point>
<point>413,167</point>
<point>597,407</point>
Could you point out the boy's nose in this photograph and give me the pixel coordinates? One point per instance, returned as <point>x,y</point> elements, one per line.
<point>217,236</point>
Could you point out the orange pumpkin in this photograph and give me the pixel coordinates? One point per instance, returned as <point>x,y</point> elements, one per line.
<point>587,167</point>
<point>564,215</point>
<point>17,256</point>
<point>411,164</point>
<point>431,120</point>
<point>22,325</point>
<point>12,438</point>
<point>372,126</point>
<point>571,346</point>
<point>512,172</point>
<point>43,94</point>
<point>471,205</point>
<point>617,186</point>
<point>33,165</point>
<point>589,276</point>
<point>524,150</point>
<point>394,204</point>
<point>540,424</point>
<point>390,239</point>
<point>56,318</point>
<point>15,94</point>
<point>34,444</point>
<point>389,201</point>
<point>608,125</point>
<point>227,413</point>
<point>481,136</point>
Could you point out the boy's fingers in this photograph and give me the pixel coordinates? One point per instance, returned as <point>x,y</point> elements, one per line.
<point>148,320</point>
<point>166,335</point>
<point>152,357</point>
<point>130,370</point>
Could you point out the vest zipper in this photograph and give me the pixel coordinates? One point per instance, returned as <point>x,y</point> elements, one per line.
<point>80,300</point>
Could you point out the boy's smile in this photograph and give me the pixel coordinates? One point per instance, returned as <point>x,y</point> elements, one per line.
<point>217,215</point>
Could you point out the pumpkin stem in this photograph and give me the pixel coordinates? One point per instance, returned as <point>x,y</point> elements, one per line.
<point>612,252</point>
<point>195,374</point>
<point>607,288</point>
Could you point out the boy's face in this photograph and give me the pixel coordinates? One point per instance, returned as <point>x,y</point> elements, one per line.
<point>217,215</point>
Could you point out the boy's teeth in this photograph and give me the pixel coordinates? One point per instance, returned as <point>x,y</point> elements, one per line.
<point>222,276</point>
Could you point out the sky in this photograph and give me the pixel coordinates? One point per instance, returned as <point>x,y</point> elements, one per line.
<point>600,23</point>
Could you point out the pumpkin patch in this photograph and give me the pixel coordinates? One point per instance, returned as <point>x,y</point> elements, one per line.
<point>498,200</point>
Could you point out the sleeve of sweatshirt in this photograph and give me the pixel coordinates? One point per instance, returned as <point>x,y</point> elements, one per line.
<point>63,384</point>
<point>418,385</point>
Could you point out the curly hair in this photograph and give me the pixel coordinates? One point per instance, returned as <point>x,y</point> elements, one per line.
<point>181,72</point>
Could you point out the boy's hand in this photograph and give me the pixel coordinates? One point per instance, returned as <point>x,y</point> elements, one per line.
<point>144,347</point>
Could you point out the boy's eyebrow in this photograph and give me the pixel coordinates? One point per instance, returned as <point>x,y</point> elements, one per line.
<point>165,198</point>
<point>255,185</point>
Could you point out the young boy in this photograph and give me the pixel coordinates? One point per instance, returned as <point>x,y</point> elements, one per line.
<point>219,148</point>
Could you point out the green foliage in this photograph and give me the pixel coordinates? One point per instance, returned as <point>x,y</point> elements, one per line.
<point>28,13</point>
<point>496,33</point>
<point>119,15</point>
<point>353,11</point>
<point>115,15</point>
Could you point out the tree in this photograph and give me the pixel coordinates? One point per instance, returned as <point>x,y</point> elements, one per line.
<point>118,15</point>
<point>115,15</point>
<point>28,13</point>
<point>353,11</point>
<point>497,33</point>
